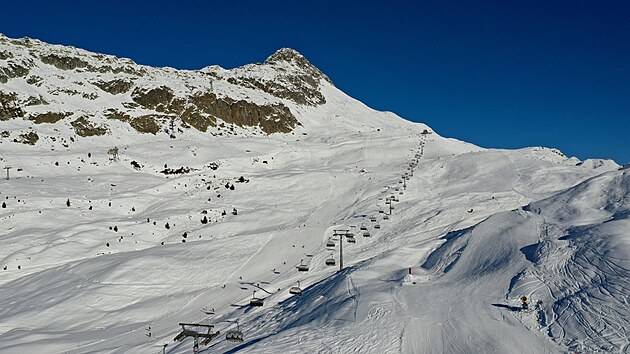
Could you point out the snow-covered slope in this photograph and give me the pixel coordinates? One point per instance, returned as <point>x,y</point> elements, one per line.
<point>110,255</point>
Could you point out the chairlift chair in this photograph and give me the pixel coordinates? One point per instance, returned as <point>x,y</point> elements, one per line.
<point>377,226</point>
<point>386,217</point>
<point>302,267</point>
<point>373,218</point>
<point>366,234</point>
<point>330,243</point>
<point>351,239</point>
<point>255,302</point>
<point>234,335</point>
<point>330,261</point>
<point>296,290</point>
<point>363,228</point>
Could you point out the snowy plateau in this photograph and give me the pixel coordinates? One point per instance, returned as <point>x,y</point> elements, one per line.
<point>140,198</point>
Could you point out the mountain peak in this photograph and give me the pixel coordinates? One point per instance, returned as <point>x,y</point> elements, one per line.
<point>294,58</point>
<point>286,55</point>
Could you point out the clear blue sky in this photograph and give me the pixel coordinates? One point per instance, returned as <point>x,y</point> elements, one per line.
<point>495,73</point>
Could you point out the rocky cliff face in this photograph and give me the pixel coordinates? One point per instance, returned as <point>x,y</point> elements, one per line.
<point>42,83</point>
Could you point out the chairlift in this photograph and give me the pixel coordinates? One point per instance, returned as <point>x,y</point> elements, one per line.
<point>363,227</point>
<point>381,211</point>
<point>396,189</point>
<point>373,218</point>
<point>330,261</point>
<point>255,301</point>
<point>195,330</point>
<point>401,192</point>
<point>330,243</point>
<point>351,239</point>
<point>234,335</point>
<point>302,267</point>
<point>386,217</point>
<point>366,234</point>
<point>377,226</point>
<point>296,290</point>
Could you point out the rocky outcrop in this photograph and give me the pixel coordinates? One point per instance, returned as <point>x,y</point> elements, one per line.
<point>276,118</point>
<point>296,59</point>
<point>297,80</point>
<point>49,117</point>
<point>84,128</point>
<point>14,69</point>
<point>64,62</point>
<point>198,120</point>
<point>150,100</point>
<point>115,87</point>
<point>299,92</point>
<point>9,106</point>
<point>201,110</point>
<point>29,138</point>
<point>158,98</point>
<point>150,123</point>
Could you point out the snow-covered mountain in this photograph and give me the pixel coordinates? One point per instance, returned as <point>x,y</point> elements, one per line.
<point>225,181</point>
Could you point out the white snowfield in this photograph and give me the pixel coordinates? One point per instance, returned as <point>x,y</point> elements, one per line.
<point>479,228</point>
